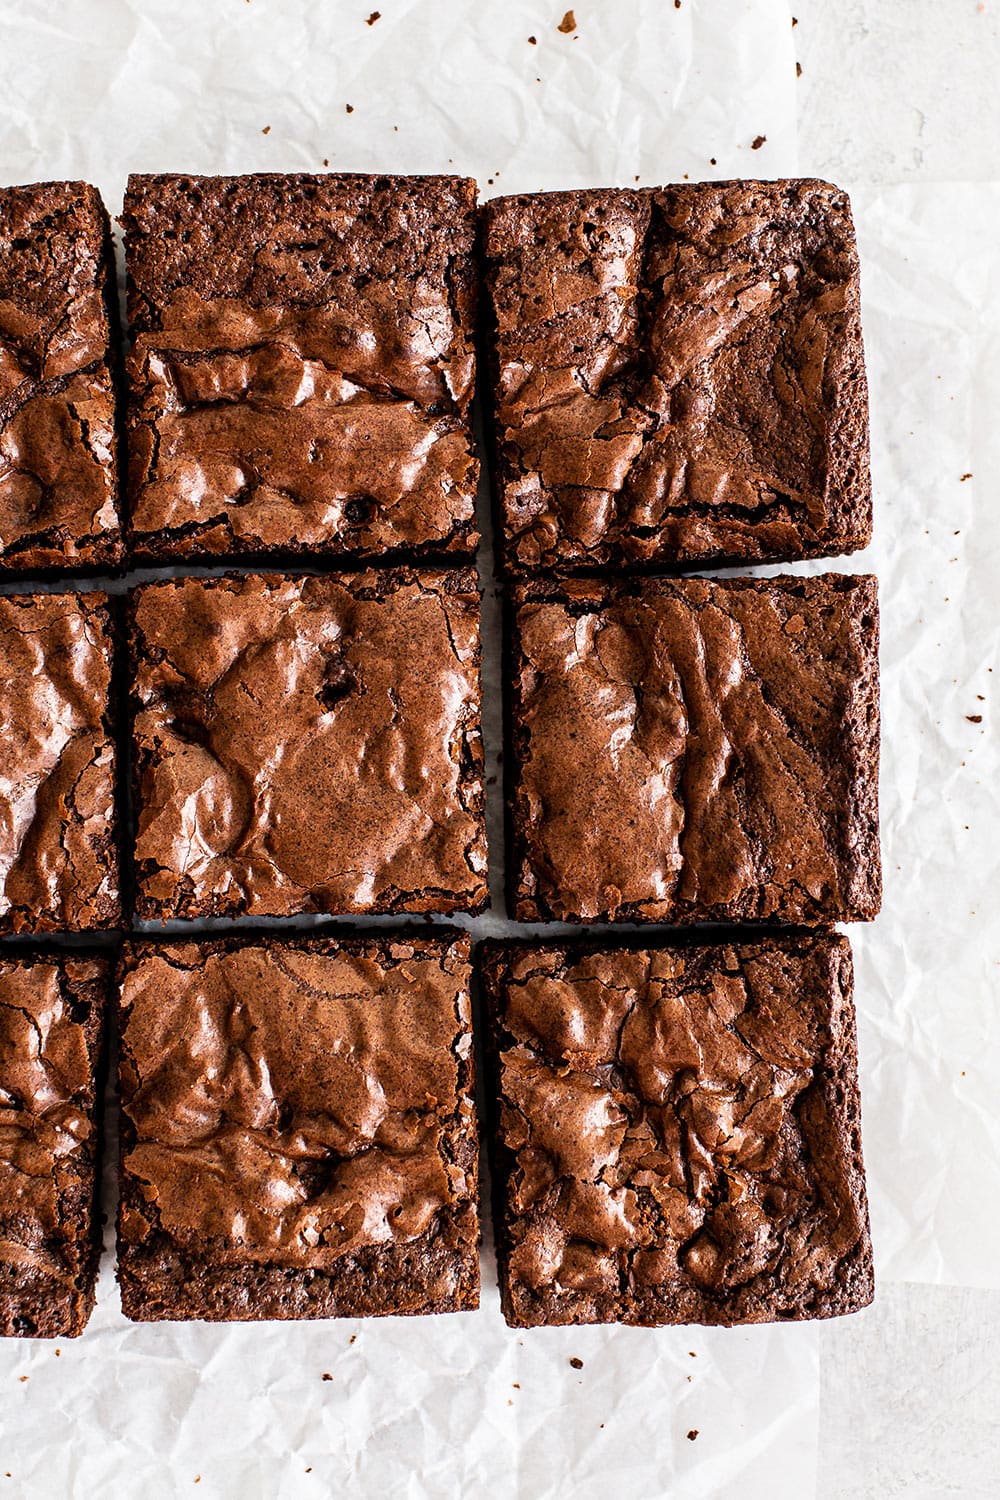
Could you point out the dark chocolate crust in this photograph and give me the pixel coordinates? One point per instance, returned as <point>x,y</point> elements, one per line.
<point>678,374</point>
<point>678,1137</point>
<point>59,863</point>
<point>308,744</point>
<point>298,1128</point>
<point>58,436</point>
<point>52,1009</point>
<point>303,366</point>
<point>685,750</point>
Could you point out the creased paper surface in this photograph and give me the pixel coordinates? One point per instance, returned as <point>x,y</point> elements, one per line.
<point>450,1406</point>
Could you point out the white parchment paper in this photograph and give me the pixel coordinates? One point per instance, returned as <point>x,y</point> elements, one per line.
<point>901,1399</point>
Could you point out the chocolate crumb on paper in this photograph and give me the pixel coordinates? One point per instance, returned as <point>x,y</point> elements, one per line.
<point>576,1363</point>
<point>376,15</point>
<point>567,24</point>
<point>349,108</point>
<point>757,142</point>
<point>692,1434</point>
<point>974,718</point>
<point>963,477</point>
<point>533,41</point>
<point>266,130</point>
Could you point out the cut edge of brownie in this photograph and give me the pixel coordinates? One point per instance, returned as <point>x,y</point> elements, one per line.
<point>863,890</point>
<point>33,1306</point>
<point>164,1283</point>
<point>102,552</point>
<point>839,1085</point>
<point>429,900</point>
<point>848,486</point>
<point>109,915</point>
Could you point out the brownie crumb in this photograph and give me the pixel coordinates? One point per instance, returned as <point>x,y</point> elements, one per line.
<point>327,1375</point>
<point>533,41</point>
<point>353,1338</point>
<point>349,108</point>
<point>568,23</point>
<point>961,479</point>
<point>974,718</point>
<point>757,142</point>
<point>266,130</point>
<point>376,15</point>
<point>576,1363</point>
<point>692,1434</point>
<point>798,70</point>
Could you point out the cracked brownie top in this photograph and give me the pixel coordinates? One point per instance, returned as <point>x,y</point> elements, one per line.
<point>58,852</point>
<point>58,488</point>
<point>679,375</point>
<point>690,749</point>
<point>51,1014</point>
<point>679,1133</point>
<point>308,744</point>
<point>303,364</point>
<point>304,1106</point>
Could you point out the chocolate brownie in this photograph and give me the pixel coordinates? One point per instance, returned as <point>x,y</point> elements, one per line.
<point>679,375</point>
<point>52,1009</point>
<point>679,1133</point>
<point>694,750</point>
<point>58,316</point>
<point>298,1129</point>
<point>308,744</point>
<point>303,365</point>
<point>58,826</point>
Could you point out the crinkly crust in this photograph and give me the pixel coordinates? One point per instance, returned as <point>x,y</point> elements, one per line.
<point>58,825</point>
<point>299,1131</point>
<point>58,316</point>
<point>308,744</point>
<point>695,750</point>
<point>678,1137</point>
<point>679,375</point>
<point>52,1008</point>
<point>303,365</point>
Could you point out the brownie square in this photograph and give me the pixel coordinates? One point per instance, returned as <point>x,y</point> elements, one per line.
<point>678,1138</point>
<point>679,375</point>
<point>298,1129</point>
<point>694,750</point>
<point>308,744</point>
<point>52,1010</point>
<point>58,316</point>
<point>58,825</point>
<point>303,366</point>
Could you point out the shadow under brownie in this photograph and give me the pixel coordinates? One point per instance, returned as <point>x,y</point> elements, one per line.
<point>302,368</point>
<point>678,1132</point>
<point>308,744</point>
<point>52,1009</point>
<point>58,316</point>
<point>298,1129</point>
<point>678,375</point>
<point>694,750</point>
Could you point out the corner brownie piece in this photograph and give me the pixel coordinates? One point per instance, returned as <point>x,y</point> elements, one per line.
<point>679,375</point>
<point>52,1010</point>
<point>679,1133</point>
<point>303,365</point>
<point>298,1129</point>
<point>58,315</point>
<point>695,750</point>
<point>308,744</point>
<point>58,825</point>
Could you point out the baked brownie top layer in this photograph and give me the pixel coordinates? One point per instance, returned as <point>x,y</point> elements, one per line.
<point>58,857</point>
<point>303,364</point>
<point>679,1133</point>
<point>308,744</point>
<point>51,1012</point>
<point>680,374</point>
<point>294,1103</point>
<point>57,427</point>
<point>689,749</point>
